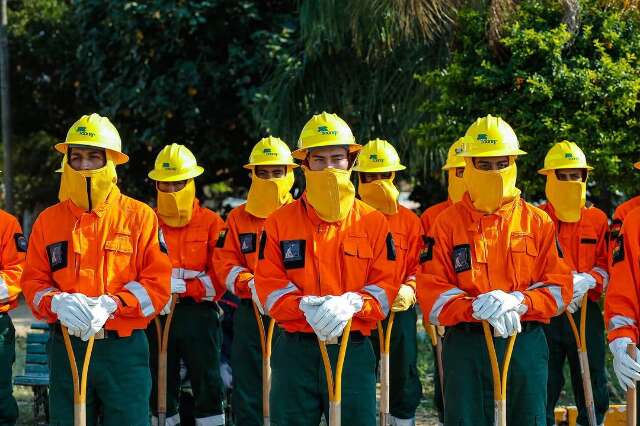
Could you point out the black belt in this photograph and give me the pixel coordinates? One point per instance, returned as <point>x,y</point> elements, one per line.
<point>354,336</point>
<point>476,327</point>
<point>56,329</point>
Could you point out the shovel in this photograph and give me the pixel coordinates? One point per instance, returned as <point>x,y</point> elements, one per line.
<point>265,345</point>
<point>499,377</point>
<point>163,341</point>
<point>335,387</point>
<point>436,342</point>
<point>632,413</point>
<point>79,382</point>
<point>385,345</point>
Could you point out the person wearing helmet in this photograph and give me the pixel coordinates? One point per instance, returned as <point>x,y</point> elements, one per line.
<point>376,166</point>
<point>581,229</point>
<point>493,257</point>
<point>97,266</point>
<point>323,260</point>
<point>190,232</point>
<point>619,215</point>
<point>454,166</point>
<point>235,260</point>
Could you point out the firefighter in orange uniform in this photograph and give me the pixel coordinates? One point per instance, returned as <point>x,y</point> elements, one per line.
<point>493,257</point>
<point>96,266</point>
<point>619,215</point>
<point>323,260</point>
<point>235,261</point>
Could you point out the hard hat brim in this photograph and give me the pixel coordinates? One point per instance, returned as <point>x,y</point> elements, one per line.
<point>118,157</point>
<point>457,165</point>
<point>251,166</point>
<point>545,171</point>
<point>494,153</point>
<point>301,154</point>
<point>161,176</point>
<point>382,169</point>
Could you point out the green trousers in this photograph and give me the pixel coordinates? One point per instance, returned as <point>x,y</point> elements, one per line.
<point>438,401</point>
<point>8,405</point>
<point>405,388</point>
<point>246,364</point>
<point>299,393</point>
<point>562,346</point>
<point>119,383</point>
<point>468,383</point>
<point>194,337</point>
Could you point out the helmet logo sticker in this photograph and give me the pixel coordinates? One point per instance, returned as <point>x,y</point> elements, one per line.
<point>267,151</point>
<point>83,131</point>
<point>374,158</point>
<point>324,130</point>
<point>167,166</point>
<point>570,156</point>
<point>484,138</point>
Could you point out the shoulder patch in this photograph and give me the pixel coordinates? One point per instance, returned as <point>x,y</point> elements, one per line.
<point>247,243</point>
<point>391,247</point>
<point>162,241</point>
<point>21,242</point>
<point>426,253</point>
<point>263,243</point>
<point>57,254</point>
<point>614,229</point>
<point>293,253</point>
<point>222,236</point>
<point>461,258</point>
<point>618,250</point>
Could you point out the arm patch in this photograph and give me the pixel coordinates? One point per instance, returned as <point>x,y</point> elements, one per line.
<point>426,254</point>
<point>461,258</point>
<point>222,236</point>
<point>618,250</point>
<point>21,243</point>
<point>391,247</point>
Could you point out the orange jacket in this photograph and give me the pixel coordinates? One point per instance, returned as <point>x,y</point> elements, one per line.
<point>618,217</point>
<point>470,253</point>
<point>191,252</point>
<point>236,257</point>
<point>14,246</point>
<point>407,236</point>
<point>621,304</point>
<point>584,245</point>
<point>112,250</point>
<point>430,215</point>
<point>299,254</point>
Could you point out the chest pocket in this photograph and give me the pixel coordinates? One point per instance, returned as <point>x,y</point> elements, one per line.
<point>357,257</point>
<point>195,249</point>
<point>524,254</point>
<point>587,250</point>
<point>119,258</point>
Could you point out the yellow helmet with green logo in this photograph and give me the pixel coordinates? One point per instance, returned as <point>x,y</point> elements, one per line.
<point>378,156</point>
<point>270,151</point>
<point>453,156</point>
<point>175,162</point>
<point>95,131</point>
<point>564,155</point>
<point>490,137</point>
<point>325,130</point>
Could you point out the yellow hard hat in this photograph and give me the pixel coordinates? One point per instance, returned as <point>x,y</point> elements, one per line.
<point>95,131</point>
<point>325,130</point>
<point>378,156</point>
<point>270,151</point>
<point>175,162</point>
<point>564,155</point>
<point>453,159</point>
<point>490,137</point>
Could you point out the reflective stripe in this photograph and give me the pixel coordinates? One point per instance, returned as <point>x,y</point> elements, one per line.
<point>379,294</point>
<point>209,290</point>
<point>39,295</point>
<point>169,421</point>
<point>141,294</point>
<point>4,290</point>
<point>556,292</point>
<point>619,321</point>
<point>604,275</point>
<point>185,274</point>
<point>536,285</point>
<point>230,282</point>
<point>440,302</point>
<point>211,420</point>
<point>274,296</point>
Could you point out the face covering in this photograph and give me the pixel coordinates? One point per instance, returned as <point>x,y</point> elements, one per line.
<point>267,195</point>
<point>87,188</point>
<point>380,194</point>
<point>489,190</point>
<point>566,197</point>
<point>175,208</point>
<point>330,192</point>
<point>457,187</point>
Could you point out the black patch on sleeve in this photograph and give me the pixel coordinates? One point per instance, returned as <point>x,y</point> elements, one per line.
<point>559,248</point>
<point>57,254</point>
<point>293,253</point>
<point>222,236</point>
<point>618,250</point>
<point>588,241</point>
<point>263,243</point>
<point>162,241</point>
<point>247,243</point>
<point>426,254</point>
<point>21,243</point>
<point>391,247</point>
<point>461,258</point>
<point>614,229</point>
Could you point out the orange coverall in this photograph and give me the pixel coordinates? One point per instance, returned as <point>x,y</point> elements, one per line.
<point>13,246</point>
<point>430,215</point>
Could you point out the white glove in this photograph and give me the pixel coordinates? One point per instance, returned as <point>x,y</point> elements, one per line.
<point>334,313</point>
<point>512,323</point>
<point>582,283</point>
<point>226,374</point>
<point>254,295</point>
<point>499,328</point>
<point>178,285</point>
<point>627,369</point>
<point>310,305</point>
<point>101,309</point>
<point>167,307</point>
<point>73,312</point>
<point>495,303</point>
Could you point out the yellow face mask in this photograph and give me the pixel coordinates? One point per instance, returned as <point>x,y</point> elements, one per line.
<point>380,194</point>
<point>567,197</point>
<point>175,208</point>
<point>457,187</point>
<point>87,189</point>
<point>267,195</point>
<point>330,192</point>
<point>491,189</point>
